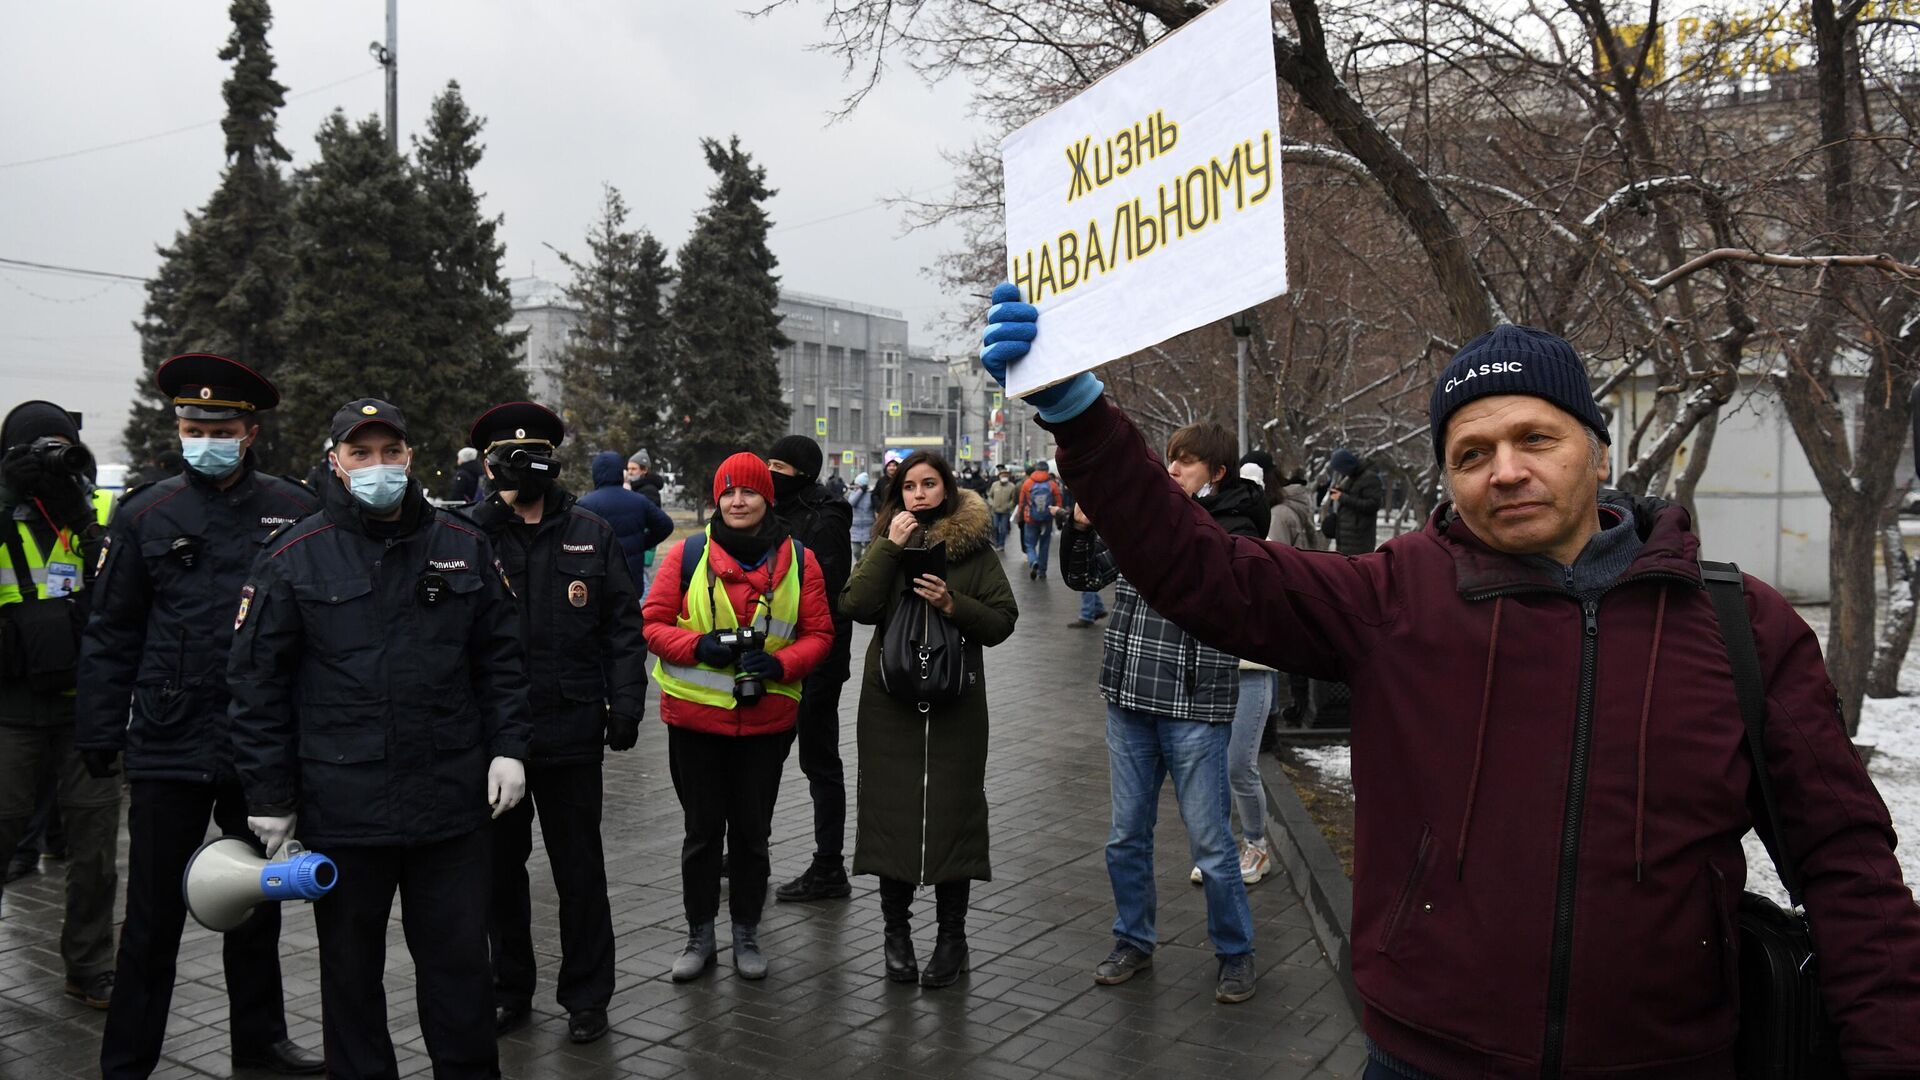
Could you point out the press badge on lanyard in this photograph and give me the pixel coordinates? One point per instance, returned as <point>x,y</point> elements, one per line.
<point>63,579</point>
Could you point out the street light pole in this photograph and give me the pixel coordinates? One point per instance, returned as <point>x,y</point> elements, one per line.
<point>388,56</point>
<point>1242,335</point>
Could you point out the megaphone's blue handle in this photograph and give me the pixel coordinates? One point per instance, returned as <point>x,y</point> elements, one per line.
<point>306,876</point>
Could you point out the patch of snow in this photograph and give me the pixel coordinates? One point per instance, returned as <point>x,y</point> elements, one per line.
<point>1333,763</point>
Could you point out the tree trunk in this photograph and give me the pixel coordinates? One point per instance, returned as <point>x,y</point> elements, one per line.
<point>1850,643</point>
<point>1903,600</point>
<point>1685,484</point>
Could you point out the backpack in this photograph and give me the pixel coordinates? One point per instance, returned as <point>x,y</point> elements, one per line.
<point>923,656</point>
<point>1040,502</point>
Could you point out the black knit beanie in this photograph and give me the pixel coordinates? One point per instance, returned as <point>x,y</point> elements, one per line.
<point>32,420</point>
<point>800,452</point>
<point>1515,360</point>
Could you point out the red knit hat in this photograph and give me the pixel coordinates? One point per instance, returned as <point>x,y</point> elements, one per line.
<point>743,470</point>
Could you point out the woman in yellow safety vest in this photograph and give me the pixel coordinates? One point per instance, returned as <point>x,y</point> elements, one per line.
<point>737,617</point>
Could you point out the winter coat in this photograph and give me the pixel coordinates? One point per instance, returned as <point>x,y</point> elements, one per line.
<point>860,501</point>
<point>637,520</point>
<point>466,482</point>
<point>922,786</point>
<point>1293,520</point>
<point>1022,507</point>
<point>1003,496</point>
<point>153,674</point>
<point>666,603</point>
<point>1514,739</point>
<point>823,523</point>
<point>579,618</point>
<point>1148,664</point>
<point>374,677</point>
<point>1357,510</point>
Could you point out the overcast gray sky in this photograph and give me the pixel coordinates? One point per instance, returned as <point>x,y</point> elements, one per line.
<point>574,93</point>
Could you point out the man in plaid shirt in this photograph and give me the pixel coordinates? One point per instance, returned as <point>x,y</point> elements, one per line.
<point>1170,709</point>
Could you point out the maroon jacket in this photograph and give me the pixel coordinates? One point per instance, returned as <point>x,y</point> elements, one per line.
<point>1550,794</point>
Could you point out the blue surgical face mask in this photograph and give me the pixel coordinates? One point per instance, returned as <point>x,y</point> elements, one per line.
<point>211,457</point>
<point>379,488</point>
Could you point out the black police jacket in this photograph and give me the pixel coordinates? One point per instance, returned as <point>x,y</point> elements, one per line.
<point>153,659</point>
<point>823,523</point>
<point>376,670</point>
<point>579,617</point>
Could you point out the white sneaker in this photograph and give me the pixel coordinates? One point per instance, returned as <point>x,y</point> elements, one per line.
<point>1195,877</point>
<point>1255,862</point>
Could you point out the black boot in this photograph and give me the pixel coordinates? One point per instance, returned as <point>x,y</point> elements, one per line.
<point>896,907</point>
<point>950,946</point>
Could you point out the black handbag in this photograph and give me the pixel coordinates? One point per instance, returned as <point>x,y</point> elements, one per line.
<point>1785,1033</point>
<point>923,657</point>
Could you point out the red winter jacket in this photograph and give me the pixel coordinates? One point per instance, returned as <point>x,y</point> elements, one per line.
<point>666,639</point>
<point>1482,694</point>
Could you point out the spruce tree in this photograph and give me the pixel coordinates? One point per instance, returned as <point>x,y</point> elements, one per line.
<point>471,358</point>
<point>615,374</point>
<point>357,317</point>
<point>222,284</point>
<point>727,387</point>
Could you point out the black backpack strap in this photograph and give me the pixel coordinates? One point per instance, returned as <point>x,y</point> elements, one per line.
<point>1727,588</point>
<point>691,550</point>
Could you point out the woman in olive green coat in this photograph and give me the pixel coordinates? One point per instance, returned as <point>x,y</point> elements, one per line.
<point>922,791</point>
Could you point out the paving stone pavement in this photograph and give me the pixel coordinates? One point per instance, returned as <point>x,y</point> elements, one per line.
<point>1030,1007</point>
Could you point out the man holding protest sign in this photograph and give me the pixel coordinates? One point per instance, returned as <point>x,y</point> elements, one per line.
<point>1549,862</point>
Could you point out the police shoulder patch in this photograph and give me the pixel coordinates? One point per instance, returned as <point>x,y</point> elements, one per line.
<point>246,602</point>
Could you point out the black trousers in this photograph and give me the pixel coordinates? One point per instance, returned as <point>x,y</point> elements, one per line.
<point>819,739</point>
<point>166,823</point>
<point>568,800</point>
<point>443,909</point>
<point>727,786</point>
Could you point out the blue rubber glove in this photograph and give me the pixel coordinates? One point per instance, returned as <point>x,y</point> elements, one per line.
<point>762,663</point>
<point>1011,327</point>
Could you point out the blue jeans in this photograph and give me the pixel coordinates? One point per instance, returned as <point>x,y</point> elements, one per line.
<point>1091,606</point>
<point>1002,523</point>
<point>1142,750</point>
<point>1039,539</point>
<point>1243,752</point>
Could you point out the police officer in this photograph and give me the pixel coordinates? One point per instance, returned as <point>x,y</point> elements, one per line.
<point>380,700</point>
<point>51,523</point>
<point>176,556</point>
<point>586,654</point>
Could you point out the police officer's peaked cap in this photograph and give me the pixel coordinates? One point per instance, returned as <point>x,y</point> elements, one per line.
<point>516,422</point>
<point>363,412</point>
<point>203,386</point>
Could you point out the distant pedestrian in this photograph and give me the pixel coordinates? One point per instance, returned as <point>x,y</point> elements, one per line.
<point>888,468</point>
<point>466,477</point>
<point>318,477</point>
<point>860,500</point>
<point>1039,496</point>
<point>1353,502</point>
<point>641,478</point>
<point>637,520</point>
<point>835,484</point>
<point>1003,498</point>
<point>1171,704</point>
<point>730,704</point>
<point>922,789</point>
<point>1293,525</point>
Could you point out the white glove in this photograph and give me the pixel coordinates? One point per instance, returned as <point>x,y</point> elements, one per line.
<point>272,831</point>
<point>506,783</point>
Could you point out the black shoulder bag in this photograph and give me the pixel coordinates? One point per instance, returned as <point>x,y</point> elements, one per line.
<point>923,656</point>
<point>1784,1030</point>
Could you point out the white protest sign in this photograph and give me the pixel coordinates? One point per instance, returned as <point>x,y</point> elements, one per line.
<point>1150,204</point>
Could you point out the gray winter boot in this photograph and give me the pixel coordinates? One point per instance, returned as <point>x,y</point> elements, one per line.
<point>699,954</point>
<point>746,952</point>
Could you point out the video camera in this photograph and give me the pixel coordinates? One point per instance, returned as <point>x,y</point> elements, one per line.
<point>747,687</point>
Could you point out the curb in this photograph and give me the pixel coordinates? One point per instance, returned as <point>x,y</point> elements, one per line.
<point>1317,879</point>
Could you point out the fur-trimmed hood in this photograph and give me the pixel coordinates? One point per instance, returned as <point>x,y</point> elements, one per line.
<point>966,532</point>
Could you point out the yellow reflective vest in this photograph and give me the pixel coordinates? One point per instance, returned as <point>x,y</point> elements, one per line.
<point>61,572</point>
<point>707,608</point>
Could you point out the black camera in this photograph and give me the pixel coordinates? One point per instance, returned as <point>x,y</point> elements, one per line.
<point>63,458</point>
<point>747,687</point>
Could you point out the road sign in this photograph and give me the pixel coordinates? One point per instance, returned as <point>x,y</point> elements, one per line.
<point>966,452</point>
<point>846,457</point>
<point>820,426</point>
<point>893,408</point>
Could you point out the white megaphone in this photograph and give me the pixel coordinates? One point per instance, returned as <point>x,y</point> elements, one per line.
<point>227,878</point>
